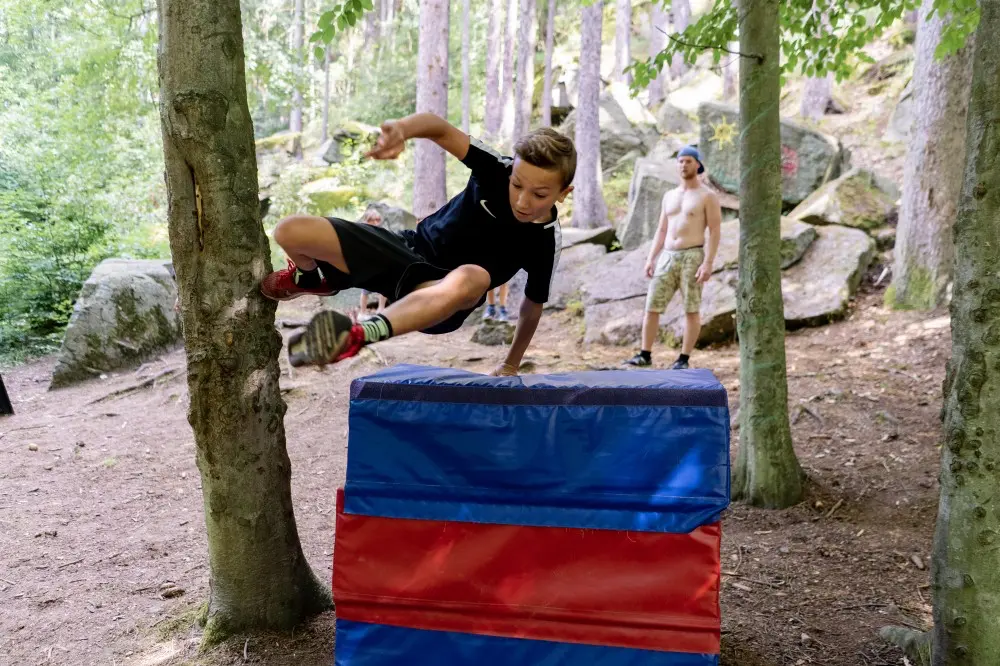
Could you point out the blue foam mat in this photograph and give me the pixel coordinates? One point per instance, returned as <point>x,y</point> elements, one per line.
<point>613,450</point>
<point>362,644</point>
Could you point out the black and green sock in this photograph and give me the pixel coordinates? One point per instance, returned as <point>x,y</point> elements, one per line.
<point>376,329</point>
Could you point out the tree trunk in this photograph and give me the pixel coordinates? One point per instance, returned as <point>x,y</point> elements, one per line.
<point>507,89</point>
<point>326,93</point>
<point>525,84</point>
<point>259,576</point>
<point>295,118</point>
<point>680,12</point>
<point>550,36</point>
<point>465,66</point>
<point>623,40</point>
<point>658,20</point>
<point>429,190</point>
<point>766,473</point>
<point>6,408</point>
<point>371,32</point>
<point>589,208</point>
<point>816,96</point>
<point>965,568</point>
<point>932,174</point>
<point>494,53</point>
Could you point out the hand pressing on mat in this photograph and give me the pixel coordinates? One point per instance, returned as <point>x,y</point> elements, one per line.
<point>504,370</point>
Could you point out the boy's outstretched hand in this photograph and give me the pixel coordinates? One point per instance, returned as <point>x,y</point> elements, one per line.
<point>390,143</point>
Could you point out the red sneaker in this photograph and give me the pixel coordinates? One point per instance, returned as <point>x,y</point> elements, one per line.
<point>281,285</point>
<point>329,337</point>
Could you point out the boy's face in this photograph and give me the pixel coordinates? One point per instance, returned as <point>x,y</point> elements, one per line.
<point>534,190</point>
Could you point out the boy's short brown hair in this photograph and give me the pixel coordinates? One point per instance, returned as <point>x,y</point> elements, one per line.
<point>546,148</point>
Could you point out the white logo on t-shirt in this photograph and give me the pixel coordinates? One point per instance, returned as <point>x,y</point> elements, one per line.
<point>482,202</point>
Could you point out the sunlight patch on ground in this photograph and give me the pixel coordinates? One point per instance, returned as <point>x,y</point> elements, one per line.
<point>158,655</point>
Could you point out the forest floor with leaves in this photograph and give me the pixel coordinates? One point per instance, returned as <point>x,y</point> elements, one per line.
<point>103,554</point>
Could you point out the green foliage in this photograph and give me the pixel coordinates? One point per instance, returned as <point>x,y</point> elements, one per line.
<point>80,156</point>
<point>818,36</point>
<point>962,21</point>
<point>343,15</point>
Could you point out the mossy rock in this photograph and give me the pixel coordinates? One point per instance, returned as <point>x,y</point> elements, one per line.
<point>284,140</point>
<point>123,316</point>
<point>853,200</point>
<point>329,194</point>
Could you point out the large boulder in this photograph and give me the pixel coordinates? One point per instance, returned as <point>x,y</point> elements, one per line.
<point>347,140</point>
<point>616,276</point>
<point>620,322</point>
<point>598,236</point>
<point>394,217</point>
<point>796,237</point>
<point>650,181</point>
<point>809,158</point>
<point>620,139</point>
<point>573,267</point>
<point>494,333</point>
<point>123,316</point>
<point>327,196</point>
<point>818,289</point>
<point>699,85</point>
<point>853,200</point>
<point>670,120</point>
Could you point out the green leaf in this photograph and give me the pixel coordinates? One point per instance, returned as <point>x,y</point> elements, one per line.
<point>342,22</point>
<point>352,19</point>
<point>326,20</point>
<point>368,4</point>
<point>319,52</point>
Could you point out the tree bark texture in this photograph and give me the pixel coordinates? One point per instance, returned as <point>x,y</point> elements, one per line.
<point>623,40</point>
<point>767,472</point>
<point>589,207</point>
<point>509,62</point>
<point>550,36</point>
<point>524,86</point>
<point>326,93</point>
<point>680,14</point>
<point>932,174</point>
<point>965,571</point>
<point>295,117</point>
<point>658,22</point>
<point>429,187</point>
<point>259,576</point>
<point>494,53</point>
<point>465,66</point>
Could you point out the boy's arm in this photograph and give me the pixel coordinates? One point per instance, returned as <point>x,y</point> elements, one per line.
<point>527,322</point>
<point>713,219</point>
<point>395,134</point>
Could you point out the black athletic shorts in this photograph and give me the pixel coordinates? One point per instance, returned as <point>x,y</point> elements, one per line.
<point>386,263</point>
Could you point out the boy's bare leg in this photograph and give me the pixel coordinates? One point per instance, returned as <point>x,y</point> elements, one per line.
<point>692,328</point>
<point>433,302</point>
<point>649,328</point>
<point>503,295</point>
<point>491,297</point>
<point>306,238</point>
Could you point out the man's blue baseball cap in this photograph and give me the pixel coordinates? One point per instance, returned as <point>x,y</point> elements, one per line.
<point>691,151</point>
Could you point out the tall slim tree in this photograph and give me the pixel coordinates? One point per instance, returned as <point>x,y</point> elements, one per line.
<point>965,563</point>
<point>767,472</point>
<point>550,36</point>
<point>429,185</point>
<point>680,16</point>
<point>623,40</point>
<point>589,207</point>
<point>259,576</point>
<point>295,117</point>
<point>658,23</point>
<point>326,93</point>
<point>466,120</point>
<point>932,174</point>
<point>525,84</point>
<point>494,54</point>
<point>509,61</point>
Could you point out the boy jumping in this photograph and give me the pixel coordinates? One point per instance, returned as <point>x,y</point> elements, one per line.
<point>436,275</point>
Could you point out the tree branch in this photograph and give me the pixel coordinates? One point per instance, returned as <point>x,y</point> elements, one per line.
<point>759,58</point>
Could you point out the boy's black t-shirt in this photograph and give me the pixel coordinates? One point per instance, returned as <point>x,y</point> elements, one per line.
<point>478,227</point>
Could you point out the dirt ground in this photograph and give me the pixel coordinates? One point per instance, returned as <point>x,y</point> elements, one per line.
<point>100,501</point>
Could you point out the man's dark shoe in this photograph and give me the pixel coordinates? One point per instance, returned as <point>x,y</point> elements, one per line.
<point>640,360</point>
<point>679,365</point>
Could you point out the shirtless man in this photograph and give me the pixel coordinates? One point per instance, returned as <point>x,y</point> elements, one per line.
<point>687,212</point>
